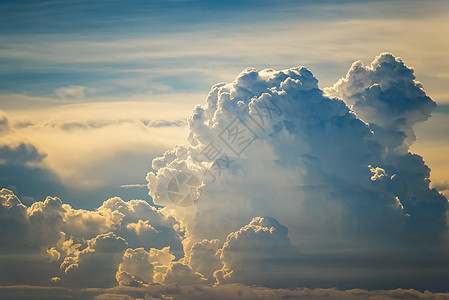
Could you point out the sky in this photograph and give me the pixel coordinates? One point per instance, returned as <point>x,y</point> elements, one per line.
<point>126,171</point>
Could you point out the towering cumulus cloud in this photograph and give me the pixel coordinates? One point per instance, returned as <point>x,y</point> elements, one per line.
<point>280,184</point>
<point>332,166</point>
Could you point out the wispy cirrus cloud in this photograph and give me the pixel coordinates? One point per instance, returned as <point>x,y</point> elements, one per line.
<point>331,177</point>
<point>201,50</point>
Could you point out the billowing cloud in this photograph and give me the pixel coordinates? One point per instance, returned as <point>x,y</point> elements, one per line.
<point>182,274</point>
<point>26,234</point>
<point>386,95</point>
<point>205,258</point>
<point>334,167</point>
<point>136,220</point>
<point>82,248</point>
<point>247,254</point>
<point>95,265</point>
<point>90,149</point>
<point>278,184</point>
<point>32,228</point>
<point>140,267</point>
<point>22,169</point>
<point>21,154</point>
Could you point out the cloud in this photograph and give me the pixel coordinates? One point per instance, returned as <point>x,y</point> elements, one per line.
<point>22,154</point>
<point>98,124</point>
<point>386,94</point>
<point>140,267</point>
<point>205,258</point>
<point>282,183</point>
<point>443,186</point>
<point>336,41</point>
<point>140,224</point>
<point>182,274</point>
<point>198,292</point>
<point>134,185</point>
<point>82,248</point>
<point>164,123</point>
<point>28,232</point>
<point>250,255</point>
<point>29,229</point>
<point>102,151</point>
<point>23,170</point>
<point>272,143</point>
<point>95,266</point>
<point>71,92</point>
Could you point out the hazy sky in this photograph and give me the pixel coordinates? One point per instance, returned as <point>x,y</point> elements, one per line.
<point>92,91</point>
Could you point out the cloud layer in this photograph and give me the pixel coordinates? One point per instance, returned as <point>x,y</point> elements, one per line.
<point>198,292</point>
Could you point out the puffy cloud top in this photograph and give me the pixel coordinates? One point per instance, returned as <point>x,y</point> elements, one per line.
<point>385,94</point>
<point>272,142</point>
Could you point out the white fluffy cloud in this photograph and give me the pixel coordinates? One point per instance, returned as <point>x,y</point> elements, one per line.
<point>253,250</point>
<point>206,292</point>
<point>333,166</point>
<point>26,234</point>
<point>182,274</point>
<point>80,247</point>
<point>95,265</point>
<point>386,95</point>
<point>277,180</point>
<point>138,221</point>
<point>205,258</point>
<point>140,267</point>
<point>29,229</point>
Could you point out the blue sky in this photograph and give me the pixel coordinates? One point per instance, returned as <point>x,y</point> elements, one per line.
<point>30,30</point>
